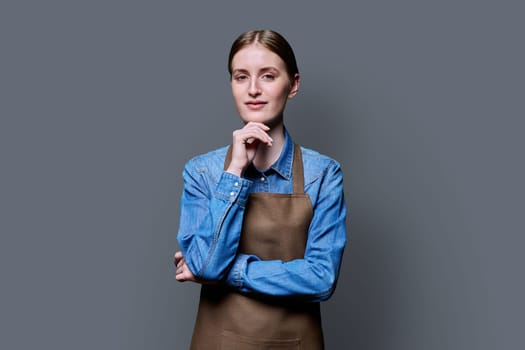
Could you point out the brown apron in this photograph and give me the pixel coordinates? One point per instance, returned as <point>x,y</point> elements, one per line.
<point>275,227</point>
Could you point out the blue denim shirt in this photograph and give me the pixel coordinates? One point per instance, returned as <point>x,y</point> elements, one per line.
<point>212,208</point>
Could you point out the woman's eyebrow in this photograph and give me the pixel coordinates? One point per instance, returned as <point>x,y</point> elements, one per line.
<point>264,69</point>
<point>239,70</point>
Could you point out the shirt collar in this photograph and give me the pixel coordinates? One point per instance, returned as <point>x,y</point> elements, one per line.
<point>283,165</point>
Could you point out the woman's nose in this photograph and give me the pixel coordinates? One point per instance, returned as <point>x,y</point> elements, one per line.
<point>254,89</point>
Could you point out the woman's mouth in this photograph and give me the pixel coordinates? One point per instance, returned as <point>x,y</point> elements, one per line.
<point>255,105</point>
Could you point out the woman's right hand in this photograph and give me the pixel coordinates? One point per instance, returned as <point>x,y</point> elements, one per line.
<point>183,272</point>
<point>245,144</point>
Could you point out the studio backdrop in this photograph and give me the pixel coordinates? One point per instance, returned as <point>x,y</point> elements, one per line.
<point>103,102</point>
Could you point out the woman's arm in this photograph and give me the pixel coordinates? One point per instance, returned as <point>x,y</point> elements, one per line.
<point>314,277</point>
<point>210,221</point>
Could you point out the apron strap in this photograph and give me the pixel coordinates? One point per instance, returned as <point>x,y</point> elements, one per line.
<point>298,173</point>
<point>297,168</point>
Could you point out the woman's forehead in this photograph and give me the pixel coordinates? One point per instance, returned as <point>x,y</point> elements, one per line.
<point>256,56</point>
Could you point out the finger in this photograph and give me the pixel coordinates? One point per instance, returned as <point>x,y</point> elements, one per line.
<point>258,124</point>
<point>255,126</point>
<point>178,257</point>
<point>181,271</point>
<point>182,262</point>
<point>259,128</point>
<point>248,136</point>
<point>185,275</point>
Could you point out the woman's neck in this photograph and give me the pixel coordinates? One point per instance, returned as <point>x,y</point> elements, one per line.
<point>266,156</point>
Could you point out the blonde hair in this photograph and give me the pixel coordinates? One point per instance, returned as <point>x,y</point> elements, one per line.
<point>271,40</point>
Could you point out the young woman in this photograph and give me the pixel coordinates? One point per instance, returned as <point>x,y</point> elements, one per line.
<point>262,224</point>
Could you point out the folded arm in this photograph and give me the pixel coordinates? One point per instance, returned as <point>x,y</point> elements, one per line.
<point>315,276</point>
<point>210,221</point>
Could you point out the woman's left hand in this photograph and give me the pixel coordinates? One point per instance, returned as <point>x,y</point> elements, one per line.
<point>183,273</point>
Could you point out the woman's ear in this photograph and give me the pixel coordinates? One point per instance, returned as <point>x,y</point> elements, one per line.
<point>295,85</point>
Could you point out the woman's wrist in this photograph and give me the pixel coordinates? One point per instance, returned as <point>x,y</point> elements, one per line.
<point>235,170</point>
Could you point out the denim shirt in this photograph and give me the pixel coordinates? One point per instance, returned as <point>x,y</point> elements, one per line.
<point>212,208</point>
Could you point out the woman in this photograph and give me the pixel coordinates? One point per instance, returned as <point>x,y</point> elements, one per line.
<point>262,224</point>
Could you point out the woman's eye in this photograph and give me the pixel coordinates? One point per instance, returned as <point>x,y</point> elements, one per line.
<point>240,77</point>
<point>268,77</point>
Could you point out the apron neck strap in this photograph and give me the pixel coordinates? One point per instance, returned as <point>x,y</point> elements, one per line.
<point>297,168</point>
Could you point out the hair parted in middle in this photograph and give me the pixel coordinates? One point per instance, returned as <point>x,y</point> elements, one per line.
<point>271,40</point>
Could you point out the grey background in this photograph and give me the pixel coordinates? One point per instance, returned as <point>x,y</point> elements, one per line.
<point>102,103</point>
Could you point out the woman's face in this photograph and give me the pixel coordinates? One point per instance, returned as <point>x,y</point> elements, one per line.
<point>261,85</point>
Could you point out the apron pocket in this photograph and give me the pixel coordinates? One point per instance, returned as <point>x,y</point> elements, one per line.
<point>232,341</point>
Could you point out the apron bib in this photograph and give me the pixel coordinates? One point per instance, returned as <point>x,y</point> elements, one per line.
<point>275,227</point>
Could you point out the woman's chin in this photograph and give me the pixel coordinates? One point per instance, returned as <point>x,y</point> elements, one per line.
<point>259,118</point>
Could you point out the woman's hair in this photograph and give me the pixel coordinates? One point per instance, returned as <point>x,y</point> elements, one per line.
<point>271,40</point>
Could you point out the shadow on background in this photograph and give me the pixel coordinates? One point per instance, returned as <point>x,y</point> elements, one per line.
<point>362,305</point>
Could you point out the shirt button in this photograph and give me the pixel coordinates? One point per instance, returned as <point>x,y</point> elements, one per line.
<point>236,184</point>
<point>262,178</point>
<point>232,193</point>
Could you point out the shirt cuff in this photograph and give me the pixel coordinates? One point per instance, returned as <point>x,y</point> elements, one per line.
<point>233,188</point>
<point>235,276</point>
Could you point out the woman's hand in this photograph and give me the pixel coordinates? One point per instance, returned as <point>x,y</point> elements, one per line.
<point>183,273</point>
<point>245,144</point>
